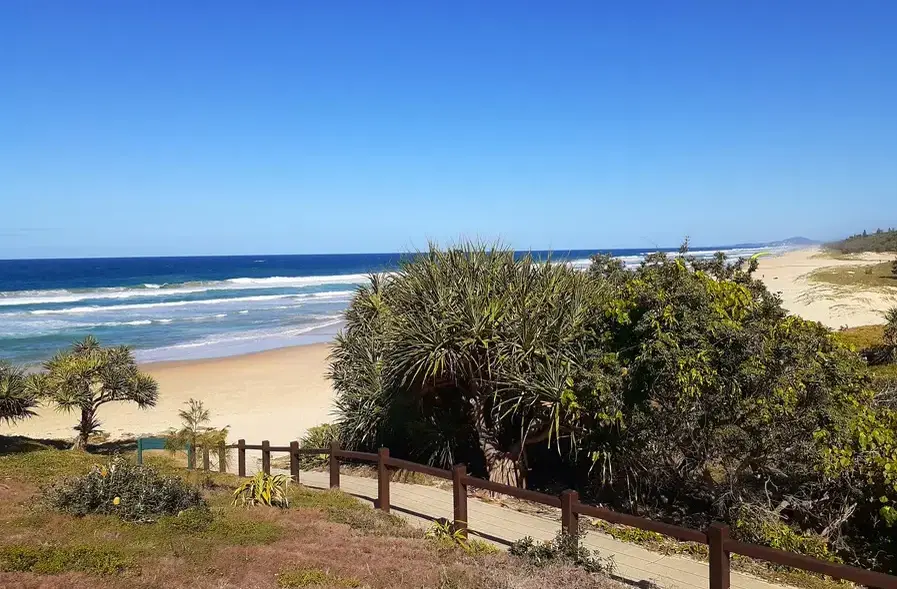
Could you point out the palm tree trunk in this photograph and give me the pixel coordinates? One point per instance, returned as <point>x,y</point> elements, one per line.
<point>84,429</point>
<point>502,466</point>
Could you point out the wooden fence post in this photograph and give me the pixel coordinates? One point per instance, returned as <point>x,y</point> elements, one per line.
<point>241,458</point>
<point>459,496</point>
<point>294,461</point>
<point>383,480</point>
<point>205,459</point>
<point>222,457</point>
<point>334,465</point>
<point>191,457</point>
<point>569,517</point>
<point>266,457</point>
<point>717,534</point>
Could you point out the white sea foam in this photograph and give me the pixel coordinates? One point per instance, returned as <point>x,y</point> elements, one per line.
<point>332,295</point>
<point>237,342</point>
<point>43,297</point>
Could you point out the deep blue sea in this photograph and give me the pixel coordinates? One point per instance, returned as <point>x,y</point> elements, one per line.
<point>192,307</point>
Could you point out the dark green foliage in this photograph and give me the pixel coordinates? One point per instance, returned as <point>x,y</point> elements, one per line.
<point>51,560</point>
<point>87,376</point>
<point>890,334</point>
<point>680,389</point>
<point>880,241</point>
<point>133,493</point>
<point>17,397</point>
<point>565,549</point>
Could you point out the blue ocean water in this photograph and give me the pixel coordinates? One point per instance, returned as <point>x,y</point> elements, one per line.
<point>176,308</point>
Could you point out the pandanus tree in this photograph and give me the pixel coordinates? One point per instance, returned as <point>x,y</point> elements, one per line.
<point>468,348</point>
<point>17,399</point>
<point>87,376</point>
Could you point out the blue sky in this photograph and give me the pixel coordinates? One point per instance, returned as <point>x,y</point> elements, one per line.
<point>165,127</point>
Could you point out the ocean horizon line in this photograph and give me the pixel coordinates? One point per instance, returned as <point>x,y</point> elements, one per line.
<point>718,247</point>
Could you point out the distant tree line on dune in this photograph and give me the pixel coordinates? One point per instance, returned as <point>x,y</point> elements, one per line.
<point>680,389</point>
<point>879,241</point>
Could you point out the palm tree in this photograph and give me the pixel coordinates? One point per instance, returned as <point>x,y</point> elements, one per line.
<point>17,399</point>
<point>87,376</point>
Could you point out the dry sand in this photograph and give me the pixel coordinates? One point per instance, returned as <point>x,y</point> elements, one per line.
<point>831,305</point>
<point>276,395</point>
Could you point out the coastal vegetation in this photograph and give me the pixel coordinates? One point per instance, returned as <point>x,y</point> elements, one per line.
<point>880,240</point>
<point>87,376</point>
<point>324,537</point>
<point>679,389</point>
<point>859,276</point>
<point>17,397</point>
<point>195,430</point>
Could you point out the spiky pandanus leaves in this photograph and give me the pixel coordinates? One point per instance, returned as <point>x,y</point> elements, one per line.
<point>451,353</point>
<point>88,376</point>
<point>17,398</point>
<point>263,489</point>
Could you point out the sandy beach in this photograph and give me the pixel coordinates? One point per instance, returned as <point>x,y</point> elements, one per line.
<point>278,394</point>
<point>833,306</point>
<point>274,395</point>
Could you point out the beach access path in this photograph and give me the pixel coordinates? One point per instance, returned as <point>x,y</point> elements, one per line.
<point>421,504</point>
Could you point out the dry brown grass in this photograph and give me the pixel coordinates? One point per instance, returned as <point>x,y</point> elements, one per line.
<point>328,532</point>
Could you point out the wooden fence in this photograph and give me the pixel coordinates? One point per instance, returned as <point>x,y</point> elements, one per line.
<point>716,537</point>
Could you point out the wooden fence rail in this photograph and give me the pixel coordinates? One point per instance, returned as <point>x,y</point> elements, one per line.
<point>716,537</point>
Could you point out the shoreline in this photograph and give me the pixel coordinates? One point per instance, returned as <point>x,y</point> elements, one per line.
<point>278,393</point>
<point>268,395</point>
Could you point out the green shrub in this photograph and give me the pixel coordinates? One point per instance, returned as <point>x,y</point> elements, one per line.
<point>309,577</point>
<point>319,436</point>
<point>51,560</point>
<point>760,526</point>
<point>890,335</point>
<point>445,533</point>
<point>263,489</point>
<point>133,493</point>
<point>565,549</point>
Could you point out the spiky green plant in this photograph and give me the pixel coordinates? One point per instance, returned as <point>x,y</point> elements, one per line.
<point>196,431</point>
<point>87,376</point>
<point>17,399</point>
<point>467,348</point>
<point>263,489</point>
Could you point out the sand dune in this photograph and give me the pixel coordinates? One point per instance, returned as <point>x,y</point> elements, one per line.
<point>834,306</point>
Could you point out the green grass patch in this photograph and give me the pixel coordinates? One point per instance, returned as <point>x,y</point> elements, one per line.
<point>345,509</point>
<point>52,560</point>
<point>41,464</point>
<point>862,337</point>
<point>865,275</point>
<point>311,577</point>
